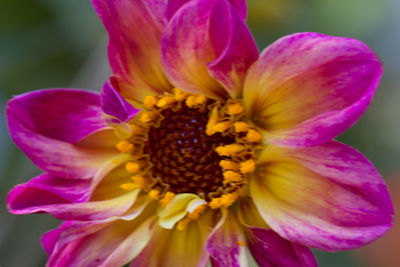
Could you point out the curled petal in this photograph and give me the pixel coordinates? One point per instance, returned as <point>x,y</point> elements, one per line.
<point>307,88</point>
<point>269,249</point>
<point>207,48</point>
<point>102,243</point>
<point>134,28</point>
<point>48,126</point>
<point>226,243</point>
<point>174,5</point>
<point>114,105</point>
<point>183,248</point>
<point>35,196</point>
<point>328,197</point>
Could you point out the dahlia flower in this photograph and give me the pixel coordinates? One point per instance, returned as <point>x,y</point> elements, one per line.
<point>198,147</point>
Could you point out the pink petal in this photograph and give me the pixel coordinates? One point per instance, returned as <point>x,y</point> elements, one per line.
<point>328,197</point>
<point>223,245</point>
<point>102,243</point>
<point>65,199</point>
<point>135,28</point>
<point>206,45</point>
<point>174,5</point>
<point>46,124</point>
<point>113,104</point>
<point>269,249</point>
<point>307,88</point>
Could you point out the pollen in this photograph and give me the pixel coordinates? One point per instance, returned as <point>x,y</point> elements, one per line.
<point>228,165</point>
<point>229,150</point>
<point>222,126</point>
<point>241,127</point>
<point>150,101</point>
<point>154,194</point>
<point>166,199</point>
<point>148,117</point>
<point>132,167</point>
<point>165,101</point>
<point>128,186</point>
<point>183,224</point>
<point>197,212</point>
<point>179,94</point>
<point>247,166</point>
<point>240,243</point>
<point>235,109</point>
<point>253,136</point>
<point>139,180</point>
<point>231,176</point>
<point>125,146</point>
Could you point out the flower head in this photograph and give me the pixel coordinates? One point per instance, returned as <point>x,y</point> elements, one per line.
<point>198,147</point>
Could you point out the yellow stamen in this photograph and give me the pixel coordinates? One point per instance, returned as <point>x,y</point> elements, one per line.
<point>150,101</point>
<point>183,224</point>
<point>140,181</point>
<point>212,121</point>
<point>124,146</point>
<point>228,165</point>
<point>231,176</point>
<point>179,94</point>
<point>166,199</point>
<point>228,199</point>
<point>132,167</point>
<point>215,203</point>
<point>247,166</point>
<point>165,101</point>
<point>241,127</point>
<point>229,150</point>
<point>222,126</point>
<point>148,116</point>
<point>137,130</point>
<point>128,186</point>
<point>240,243</point>
<point>114,161</point>
<point>201,99</point>
<point>253,136</point>
<point>235,109</point>
<point>154,194</point>
<point>193,101</point>
<point>197,212</point>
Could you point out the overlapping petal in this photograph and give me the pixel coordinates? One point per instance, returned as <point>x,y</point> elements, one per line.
<point>174,5</point>
<point>48,126</point>
<point>307,88</point>
<point>226,243</point>
<point>114,105</point>
<point>102,243</point>
<point>36,196</point>
<point>207,48</point>
<point>184,248</point>
<point>135,28</point>
<point>328,197</point>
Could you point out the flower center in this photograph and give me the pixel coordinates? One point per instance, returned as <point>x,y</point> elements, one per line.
<point>183,143</point>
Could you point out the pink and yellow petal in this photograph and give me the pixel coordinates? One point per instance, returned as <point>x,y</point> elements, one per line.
<point>33,197</point>
<point>135,28</point>
<point>226,243</point>
<point>48,125</point>
<point>102,243</point>
<point>328,197</point>
<point>185,248</point>
<point>239,5</point>
<point>269,249</point>
<point>207,48</point>
<point>307,88</point>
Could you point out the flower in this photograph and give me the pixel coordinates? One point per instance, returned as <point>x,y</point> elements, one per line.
<point>198,147</point>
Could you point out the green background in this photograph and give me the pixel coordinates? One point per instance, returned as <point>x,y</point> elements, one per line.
<point>59,43</point>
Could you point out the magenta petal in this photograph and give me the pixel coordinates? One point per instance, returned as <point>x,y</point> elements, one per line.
<point>135,28</point>
<point>207,45</point>
<point>115,105</point>
<point>45,124</point>
<point>269,249</point>
<point>328,197</point>
<point>223,243</point>
<point>62,114</point>
<point>174,5</point>
<point>307,88</point>
<point>65,199</point>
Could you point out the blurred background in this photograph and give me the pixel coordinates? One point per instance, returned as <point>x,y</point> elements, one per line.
<point>58,43</point>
